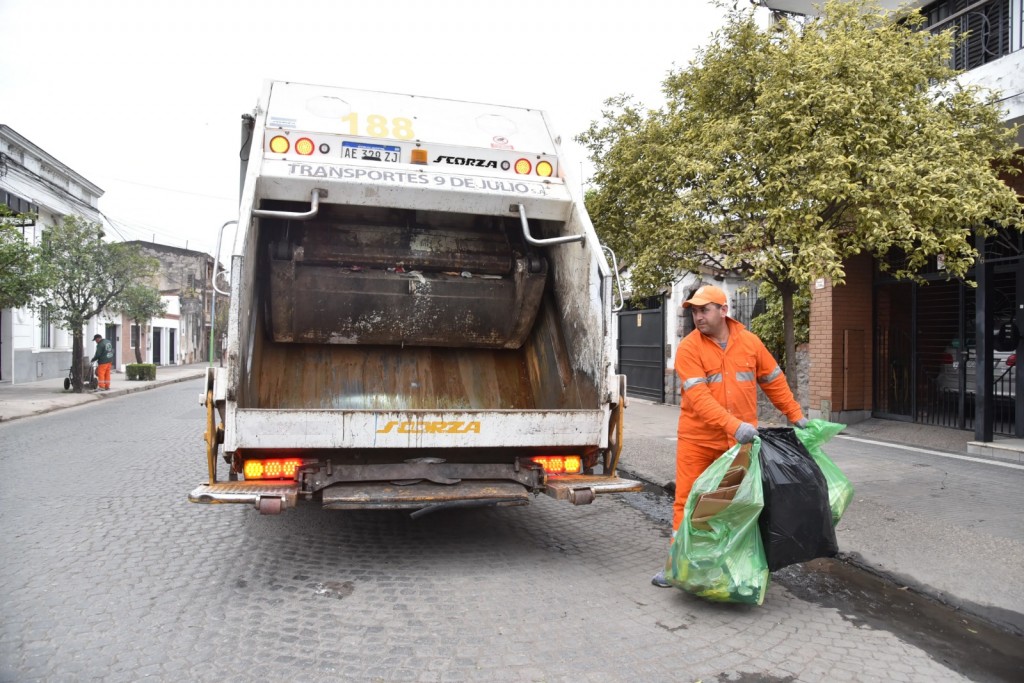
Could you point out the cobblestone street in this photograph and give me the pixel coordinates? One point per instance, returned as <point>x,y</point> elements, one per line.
<point>111,574</point>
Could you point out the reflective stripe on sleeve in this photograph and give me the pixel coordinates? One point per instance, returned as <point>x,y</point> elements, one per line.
<point>744,377</point>
<point>764,379</point>
<point>715,378</point>
<point>693,381</point>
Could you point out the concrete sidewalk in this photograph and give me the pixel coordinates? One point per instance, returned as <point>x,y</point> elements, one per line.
<point>36,398</point>
<point>927,513</point>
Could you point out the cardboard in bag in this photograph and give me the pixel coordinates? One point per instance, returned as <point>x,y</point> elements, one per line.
<point>733,477</point>
<point>711,503</point>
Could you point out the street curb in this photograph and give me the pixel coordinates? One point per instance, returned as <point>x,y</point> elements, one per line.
<point>147,387</point>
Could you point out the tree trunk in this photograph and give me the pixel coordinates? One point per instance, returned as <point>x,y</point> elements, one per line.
<point>788,330</point>
<point>138,345</point>
<point>77,351</point>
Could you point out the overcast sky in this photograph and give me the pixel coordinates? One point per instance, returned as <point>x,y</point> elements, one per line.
<point>143,98</point>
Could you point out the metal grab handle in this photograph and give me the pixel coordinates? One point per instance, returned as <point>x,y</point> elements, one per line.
<point>314,207</point>
<point>530,239</point>
<point>618,283</point>
<point>217,270</point>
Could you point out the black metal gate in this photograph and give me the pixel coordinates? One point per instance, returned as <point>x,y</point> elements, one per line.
<point>927,367</point>
<point>642,350</point>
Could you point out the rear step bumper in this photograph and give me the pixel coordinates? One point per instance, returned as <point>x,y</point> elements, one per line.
<point>267,496</point>
<point>273,497</point>
<point>581,489</point>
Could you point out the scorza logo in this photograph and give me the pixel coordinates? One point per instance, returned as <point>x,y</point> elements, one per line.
<point>430,428</point>
<point>464,161</point>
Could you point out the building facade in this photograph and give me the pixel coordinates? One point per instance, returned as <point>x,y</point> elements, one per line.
<point>33,181</point>
<point>185,281</point>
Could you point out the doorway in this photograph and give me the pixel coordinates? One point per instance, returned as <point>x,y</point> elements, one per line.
<point>158,333</point>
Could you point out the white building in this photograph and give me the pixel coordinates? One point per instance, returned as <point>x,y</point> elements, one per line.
<point>31,180</point>
<point>992,56</point>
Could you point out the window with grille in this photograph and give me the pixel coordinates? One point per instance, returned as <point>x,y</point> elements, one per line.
<point>984,27</point>
<point>45,331</point>
<point>135,336</point>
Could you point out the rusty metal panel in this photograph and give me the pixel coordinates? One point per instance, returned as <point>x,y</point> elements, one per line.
<point>336,377</point>
<point>428,469</point>
<point>357,240</point>
<point>365,275</point>
<point>335,305</point>
<point>391,497</point>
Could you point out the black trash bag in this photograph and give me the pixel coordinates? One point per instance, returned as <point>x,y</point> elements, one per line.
<point>796,522</point>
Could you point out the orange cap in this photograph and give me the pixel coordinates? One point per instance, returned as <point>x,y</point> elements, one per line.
<point>708,294</point>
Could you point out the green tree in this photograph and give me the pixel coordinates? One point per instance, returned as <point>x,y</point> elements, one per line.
<point>140,303</point>
<point>19,277</point>
<point>769,326</point>
<point>84,276</point>
<point>783,151</point>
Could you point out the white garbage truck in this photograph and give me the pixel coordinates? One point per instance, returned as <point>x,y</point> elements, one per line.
<point>420,313</point>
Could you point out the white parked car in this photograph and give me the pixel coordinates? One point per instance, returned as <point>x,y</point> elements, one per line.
<point>1003,372</point>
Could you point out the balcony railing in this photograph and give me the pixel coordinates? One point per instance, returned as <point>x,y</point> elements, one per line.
<point>993,28</point>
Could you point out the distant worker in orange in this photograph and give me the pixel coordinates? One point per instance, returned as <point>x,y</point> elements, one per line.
<point>720,364</point>
<point>103,358</point>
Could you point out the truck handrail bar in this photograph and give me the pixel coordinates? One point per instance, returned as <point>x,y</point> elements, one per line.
<point>530,239</point>
<point>314,207</point>
<point>618,282</point>
<point>217,270</point>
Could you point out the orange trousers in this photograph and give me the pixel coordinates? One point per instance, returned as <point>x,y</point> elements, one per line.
<point>103,375</point>
<point>691,461</point>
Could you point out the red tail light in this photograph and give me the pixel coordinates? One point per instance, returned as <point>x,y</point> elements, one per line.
<point>947,359</point>
<point>272,468</point>
<point>1011,360</point>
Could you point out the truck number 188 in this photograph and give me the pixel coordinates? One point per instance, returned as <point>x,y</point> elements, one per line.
<point>376,126</point>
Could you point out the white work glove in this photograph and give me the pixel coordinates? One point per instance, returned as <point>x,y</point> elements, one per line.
<point>746,432</point>
<point>801,423</point>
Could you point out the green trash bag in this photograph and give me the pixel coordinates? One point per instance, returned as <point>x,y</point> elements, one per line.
<point>840,490</point>
<point>727,563</point>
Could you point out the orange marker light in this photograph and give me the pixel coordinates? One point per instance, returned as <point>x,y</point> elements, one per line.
<point>544,169</point>
<point>523,166</point>
<point>559,464</point>
<point>304,146</point>
<point>279,144</point>
<point>274,468</point>
<point>419,156</point>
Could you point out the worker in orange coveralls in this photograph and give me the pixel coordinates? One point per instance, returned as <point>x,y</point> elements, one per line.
<point>720,364</point>
<point>104,358</point>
